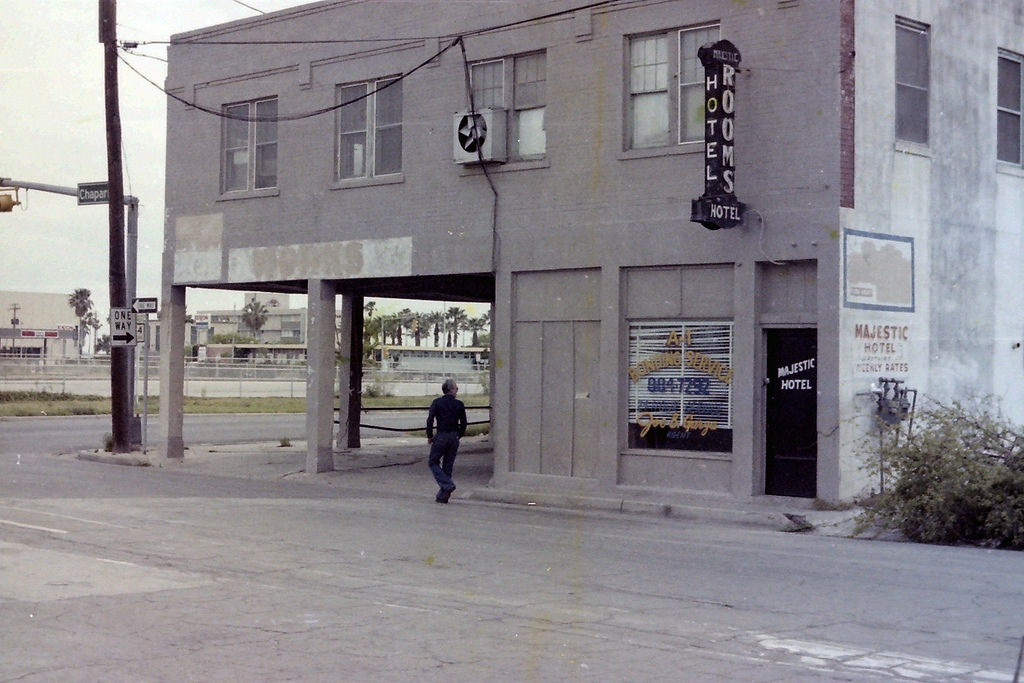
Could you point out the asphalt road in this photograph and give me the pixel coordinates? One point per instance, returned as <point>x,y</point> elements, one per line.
<point>155,574</point>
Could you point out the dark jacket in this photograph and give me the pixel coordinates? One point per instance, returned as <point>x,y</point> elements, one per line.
<point>450,414</point>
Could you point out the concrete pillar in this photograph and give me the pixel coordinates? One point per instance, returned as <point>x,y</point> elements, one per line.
<point>320,376</point>
<point>171,443</point>
<point>612,399</point>
<point>747,469</point>
<point>344,370</point>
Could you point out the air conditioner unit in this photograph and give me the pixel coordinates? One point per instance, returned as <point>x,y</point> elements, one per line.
<point>479,136</point>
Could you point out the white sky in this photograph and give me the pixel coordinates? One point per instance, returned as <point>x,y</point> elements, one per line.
<point>52,131</point>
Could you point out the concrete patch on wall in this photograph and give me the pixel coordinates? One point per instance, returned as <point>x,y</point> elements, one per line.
<point>197,248</point>
<point>326,260</point>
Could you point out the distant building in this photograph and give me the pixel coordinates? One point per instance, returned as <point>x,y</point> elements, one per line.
<point>283,325</point>
<point>39,325</point>
<point>431,360</point>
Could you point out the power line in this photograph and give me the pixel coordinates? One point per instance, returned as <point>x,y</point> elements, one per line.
<point>128,45</point>
<point>239,2</point>
<point>383,39</point>
<point>291,117</point>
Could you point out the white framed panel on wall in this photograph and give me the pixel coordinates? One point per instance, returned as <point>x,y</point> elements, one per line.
<point>879,271</point>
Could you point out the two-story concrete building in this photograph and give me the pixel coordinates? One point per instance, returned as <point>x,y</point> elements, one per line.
<point>861,159</point>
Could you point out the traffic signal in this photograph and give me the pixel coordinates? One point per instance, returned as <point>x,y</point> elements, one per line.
<point>8,202</point>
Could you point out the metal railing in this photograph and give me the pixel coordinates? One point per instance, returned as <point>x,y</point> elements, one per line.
<point>418,409</point>
<point>217,378</point>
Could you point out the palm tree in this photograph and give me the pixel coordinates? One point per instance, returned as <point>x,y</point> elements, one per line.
<point>413,324</point>
<point>254,316</point>
<point>456,319</point>
<point>433,322</point>
<point>476,326</point>
<point>403,319</point>
<point>92,322</point>
<point>391,327</point>
<point>82,303</point>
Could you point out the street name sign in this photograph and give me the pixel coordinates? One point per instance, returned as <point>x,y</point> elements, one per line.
<point>122,327</point>
<point>93,193</point>
<point>144,304</point>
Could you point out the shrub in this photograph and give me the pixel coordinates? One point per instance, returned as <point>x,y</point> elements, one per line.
<point>957,477</point>
<point>376,390</point>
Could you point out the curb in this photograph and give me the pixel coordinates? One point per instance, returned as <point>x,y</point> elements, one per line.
<point>769,516</point>
<point>763,519</point>
<point>114,459</point>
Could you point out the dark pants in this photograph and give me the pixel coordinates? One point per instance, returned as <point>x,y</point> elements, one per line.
<point>442,458</point>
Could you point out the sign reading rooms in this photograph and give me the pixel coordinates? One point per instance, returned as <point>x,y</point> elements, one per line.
<point>718,206</point>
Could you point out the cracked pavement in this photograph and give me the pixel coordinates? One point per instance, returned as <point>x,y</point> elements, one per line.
<point>112,573</point>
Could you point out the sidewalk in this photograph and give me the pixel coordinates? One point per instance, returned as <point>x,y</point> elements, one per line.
<point>398,465</point>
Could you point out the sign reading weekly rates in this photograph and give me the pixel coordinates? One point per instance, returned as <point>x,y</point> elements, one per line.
<point>718,206</point>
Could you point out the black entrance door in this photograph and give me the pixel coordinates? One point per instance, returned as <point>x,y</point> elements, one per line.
<point>791,414</point>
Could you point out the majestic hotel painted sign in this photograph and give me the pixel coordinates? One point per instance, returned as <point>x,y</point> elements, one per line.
<point>718,206</point>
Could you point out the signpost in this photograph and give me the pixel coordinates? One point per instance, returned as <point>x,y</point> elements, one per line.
<point>121,274</point>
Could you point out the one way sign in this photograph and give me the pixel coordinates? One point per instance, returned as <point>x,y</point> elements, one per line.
<point>122,328</point>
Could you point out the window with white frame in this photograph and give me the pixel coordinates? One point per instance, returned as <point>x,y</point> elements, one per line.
<point>250,146</point>
<point>648,91</point>
<point>912,81</point>
<point>691,81</point>
<point>658,112</point>
<point>680,385</point>
<point>525,101</point>
<point>369,129</point>
<point>1009,105</point>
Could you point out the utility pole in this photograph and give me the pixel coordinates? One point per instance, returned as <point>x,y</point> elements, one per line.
<point>14,325</point>
<point>120,357</point>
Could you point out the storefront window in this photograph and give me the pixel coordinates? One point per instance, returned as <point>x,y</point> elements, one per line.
<point>680,385</point>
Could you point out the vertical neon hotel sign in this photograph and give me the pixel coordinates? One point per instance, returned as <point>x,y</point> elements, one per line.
<point>718,206</point>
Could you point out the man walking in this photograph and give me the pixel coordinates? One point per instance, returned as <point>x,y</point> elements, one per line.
<point>450,415</point>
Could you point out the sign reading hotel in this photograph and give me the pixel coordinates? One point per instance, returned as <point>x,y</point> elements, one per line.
<point>718,206</point>
<point>880,349</point>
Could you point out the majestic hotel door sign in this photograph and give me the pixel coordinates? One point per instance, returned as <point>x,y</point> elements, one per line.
<point>718,206</point>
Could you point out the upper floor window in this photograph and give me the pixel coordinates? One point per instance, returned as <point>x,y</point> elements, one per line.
<point>370,129</point>
<point>1009,105</point>
<point>911,81</point>
<point>526,99</point>
<point>659,113</point>
<point>250,146</point>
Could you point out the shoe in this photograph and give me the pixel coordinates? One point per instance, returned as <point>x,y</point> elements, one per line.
<point>444,494</point>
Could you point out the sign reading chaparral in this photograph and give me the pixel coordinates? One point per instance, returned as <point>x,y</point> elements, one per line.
<point>680,385</point>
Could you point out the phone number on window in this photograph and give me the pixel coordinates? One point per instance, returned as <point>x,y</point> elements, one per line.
<point>691,386</point>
